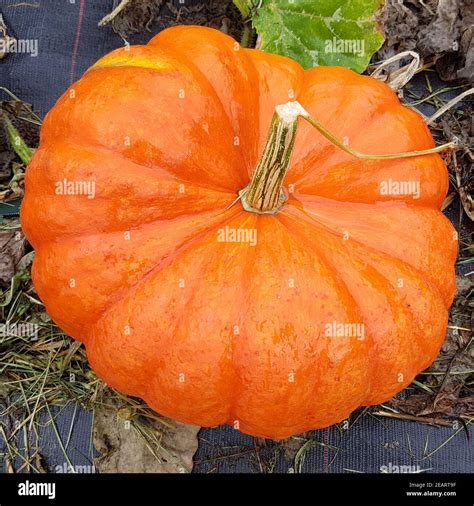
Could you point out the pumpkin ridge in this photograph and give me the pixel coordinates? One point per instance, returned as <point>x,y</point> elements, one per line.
<point>381,254</point>
<point>190,66</point>
<point>295,233</point>
<point>429,198</point>
<point>419,211</point>
<point>157,41</point>
<point>87,145</point>
<point>186,246</point>
<point>63,217</point>
<point>386,104</point>
<point>419,273</point>
<point>142,56</point>
<point>96,67</point>
<point>61,121</point>
<point>422,140</point>
<point>75,142</point>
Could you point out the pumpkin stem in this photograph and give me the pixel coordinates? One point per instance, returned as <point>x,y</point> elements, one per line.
<point>265,194</point>
<point>364,156</point>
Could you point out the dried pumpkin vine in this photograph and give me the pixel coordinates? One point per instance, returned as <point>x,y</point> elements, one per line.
<point>49,370</point>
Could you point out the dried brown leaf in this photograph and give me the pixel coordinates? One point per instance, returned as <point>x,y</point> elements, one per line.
<point>440,30</point>
<point>12,249</point>
<point>141,446</point>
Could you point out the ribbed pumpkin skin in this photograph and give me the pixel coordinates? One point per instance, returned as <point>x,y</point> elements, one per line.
<point>211,332</point>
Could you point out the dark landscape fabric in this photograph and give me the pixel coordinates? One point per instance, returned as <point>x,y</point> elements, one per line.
<point>69,42</point>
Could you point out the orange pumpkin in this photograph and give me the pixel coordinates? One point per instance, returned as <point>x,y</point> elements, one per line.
<point>275,322</point>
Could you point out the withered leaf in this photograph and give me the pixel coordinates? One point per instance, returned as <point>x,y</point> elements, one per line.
<point>141,446</point>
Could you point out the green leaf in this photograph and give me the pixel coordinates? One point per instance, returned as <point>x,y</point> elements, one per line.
<point>320,32</point>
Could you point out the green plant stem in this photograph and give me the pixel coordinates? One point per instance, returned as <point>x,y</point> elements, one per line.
<point>17,143</point>
<point>243,7</point>
<point>247,33</point>
<point>364,156</point>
